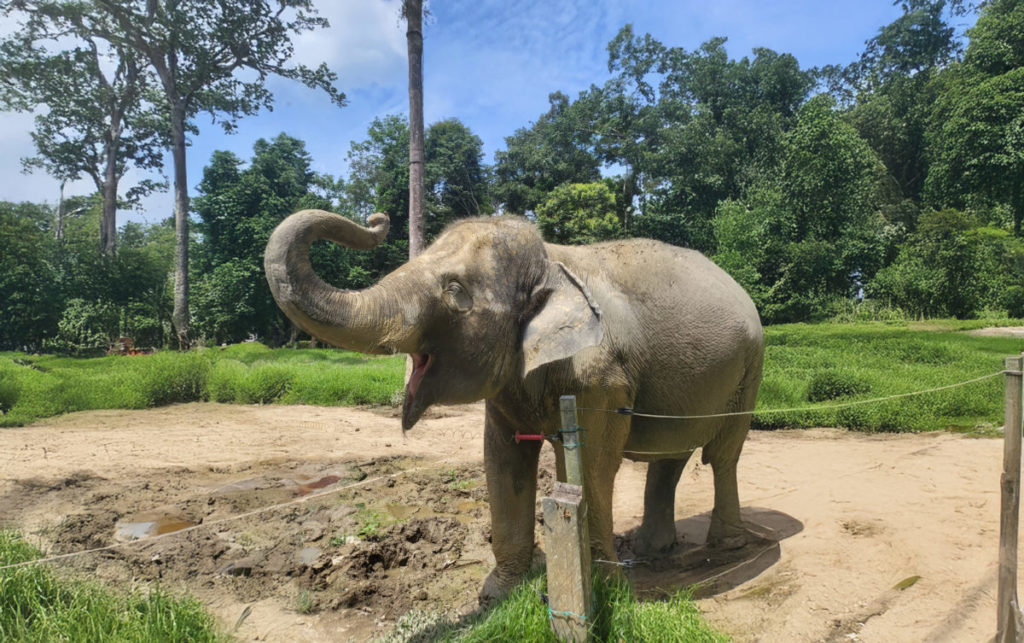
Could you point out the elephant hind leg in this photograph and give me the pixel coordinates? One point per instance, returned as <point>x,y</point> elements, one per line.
<point>657,533</point>
<point>723,453</point>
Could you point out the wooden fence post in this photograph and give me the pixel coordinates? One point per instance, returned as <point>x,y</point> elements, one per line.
<point>567,539</point>
<point>1008,616</point>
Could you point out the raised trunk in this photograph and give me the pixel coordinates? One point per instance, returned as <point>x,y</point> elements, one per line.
<point>180,317</point>
<point>380,319</point>
<point>414,34</point>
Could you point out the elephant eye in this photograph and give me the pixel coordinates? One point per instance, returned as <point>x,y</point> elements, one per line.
<point>456,297</point>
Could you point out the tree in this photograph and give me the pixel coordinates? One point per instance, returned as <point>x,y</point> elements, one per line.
<point>412,11</point>
<point>536,159</point>
<point>811,231</point>
<point>238,208</point>
<point>579,213</point>
<point>98,121</point>
<point>976,133</point>
<point>379,174</point>
<point>939,271</point>
<point>456,177</point>
<point>195,48</point>
<point>890,90</point>
<point>28,278</point>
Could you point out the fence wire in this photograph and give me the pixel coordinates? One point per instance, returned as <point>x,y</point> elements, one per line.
<point>625,410</point>
<point>620,411</point>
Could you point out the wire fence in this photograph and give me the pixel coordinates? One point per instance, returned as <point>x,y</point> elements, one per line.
<point>621,411</point>
<point>625,410</point>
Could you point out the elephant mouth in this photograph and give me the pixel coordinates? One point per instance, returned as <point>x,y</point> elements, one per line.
<point>420,363</point>
<point>412,408</point>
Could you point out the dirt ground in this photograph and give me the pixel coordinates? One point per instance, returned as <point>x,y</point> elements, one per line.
<point>868,537</point>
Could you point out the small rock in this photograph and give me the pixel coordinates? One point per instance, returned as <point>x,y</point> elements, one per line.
<point>421,595</point>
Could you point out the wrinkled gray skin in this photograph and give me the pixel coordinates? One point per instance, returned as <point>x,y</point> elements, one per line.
<point>489,311</point>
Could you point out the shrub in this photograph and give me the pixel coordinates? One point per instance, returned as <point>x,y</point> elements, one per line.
<point>222,385</point>
<point>1013,299</point>
<point>832,384</point>
<point>9,391</point>
<point>84,327</point>
<point>264,383</point>
<point>166,378</point>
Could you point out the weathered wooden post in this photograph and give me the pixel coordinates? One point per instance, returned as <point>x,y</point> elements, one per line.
<point>1009,626</point>
<point>567,538</point>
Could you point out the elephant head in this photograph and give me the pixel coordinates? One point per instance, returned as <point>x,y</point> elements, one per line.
<point>477,311</point>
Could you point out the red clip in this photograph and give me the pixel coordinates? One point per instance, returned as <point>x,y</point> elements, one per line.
<point>528,436</point>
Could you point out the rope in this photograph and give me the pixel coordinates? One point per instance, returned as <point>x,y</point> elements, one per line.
<point>625,410</point>
<point>219,521</point>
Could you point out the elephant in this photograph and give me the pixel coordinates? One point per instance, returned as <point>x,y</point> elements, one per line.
<point>489,311</point>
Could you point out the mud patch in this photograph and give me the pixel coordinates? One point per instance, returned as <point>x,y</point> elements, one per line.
<point>365,551</point>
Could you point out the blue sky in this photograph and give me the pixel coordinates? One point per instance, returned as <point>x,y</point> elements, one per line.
<point>491,64</point>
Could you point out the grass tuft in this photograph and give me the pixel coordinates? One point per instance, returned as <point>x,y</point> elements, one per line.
<point>524,616</point>
<point>35,605</point>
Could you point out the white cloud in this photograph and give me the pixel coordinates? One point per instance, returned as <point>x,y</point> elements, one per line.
<point>365,42</point>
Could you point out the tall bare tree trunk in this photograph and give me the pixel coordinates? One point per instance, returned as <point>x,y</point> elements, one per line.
<point>180,314</point>
<point>58,229</point>
<point>108,219</point>
<point>413,10</point>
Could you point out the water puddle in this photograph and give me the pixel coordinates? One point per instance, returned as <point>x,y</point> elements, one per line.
<point>307,555</point>
<point>138,529</point>
<point>405,512</point>
<point>303,488</point>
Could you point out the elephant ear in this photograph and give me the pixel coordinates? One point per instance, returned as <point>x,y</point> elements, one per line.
<point>568,320</point>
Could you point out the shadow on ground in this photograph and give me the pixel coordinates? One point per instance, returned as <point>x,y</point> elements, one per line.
<point>704,570</point>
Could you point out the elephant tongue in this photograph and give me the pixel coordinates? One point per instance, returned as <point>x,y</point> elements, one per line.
<point>420,364</point>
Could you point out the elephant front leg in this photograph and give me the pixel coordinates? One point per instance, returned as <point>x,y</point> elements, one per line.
<point>512,493</point>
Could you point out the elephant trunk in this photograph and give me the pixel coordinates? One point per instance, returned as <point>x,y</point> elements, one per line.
<point>380,319</point>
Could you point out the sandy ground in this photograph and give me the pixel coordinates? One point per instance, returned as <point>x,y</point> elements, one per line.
<point>874,538</point>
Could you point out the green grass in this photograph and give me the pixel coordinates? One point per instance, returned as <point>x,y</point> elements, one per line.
<point>523,616</point>
<point>808,365</point>
<point>33,387</point>
<point>35,605</point>
<point>805,365</point>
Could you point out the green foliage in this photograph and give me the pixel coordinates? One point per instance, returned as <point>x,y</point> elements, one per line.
<point>579,213</point>
<point>100,118</point>
<point>37,606</point>
<point>523,616</point>
<point>84,327</point>
<point>28,277</point>
<point>952,266</point>
<point>831,384</point>
<point>847,362</point>
<point>455,175</point>
<point>37,387</point>
<point>538,158</point>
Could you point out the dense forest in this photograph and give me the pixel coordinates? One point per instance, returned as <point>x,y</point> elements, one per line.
<point>891,187</point>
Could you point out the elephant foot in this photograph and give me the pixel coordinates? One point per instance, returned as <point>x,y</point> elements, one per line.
<point>654,543</point>
<point>495,588</point>
<point>725,536</point>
